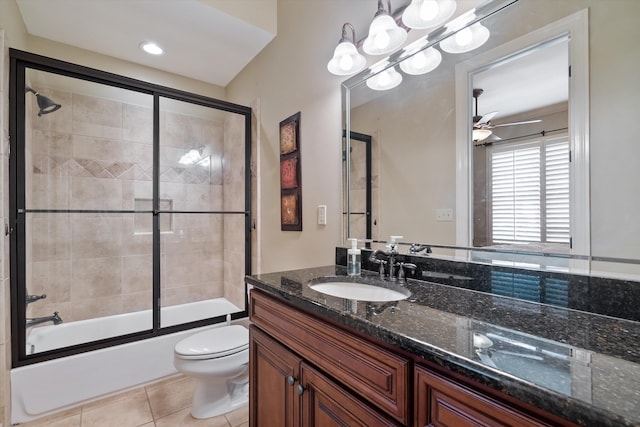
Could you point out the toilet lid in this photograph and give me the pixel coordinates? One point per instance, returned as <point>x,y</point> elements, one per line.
<point>213,343</point>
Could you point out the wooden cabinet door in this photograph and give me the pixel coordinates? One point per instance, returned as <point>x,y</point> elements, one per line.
<point>274,376</point>
<point>440,402</point>
<point>366,369</point>
<point>325,404</point>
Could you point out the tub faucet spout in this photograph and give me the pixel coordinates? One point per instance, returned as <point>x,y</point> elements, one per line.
<point>34,298</point>
<point>55,318</point>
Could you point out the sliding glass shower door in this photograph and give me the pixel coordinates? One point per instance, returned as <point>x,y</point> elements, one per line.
<point>129,209</point>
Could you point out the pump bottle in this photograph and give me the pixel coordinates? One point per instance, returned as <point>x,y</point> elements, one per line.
<point>353,259</point>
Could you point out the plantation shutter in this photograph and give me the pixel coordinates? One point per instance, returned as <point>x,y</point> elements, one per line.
<point>530,192</point>
<point>515,189</point>
<point>557,191</point>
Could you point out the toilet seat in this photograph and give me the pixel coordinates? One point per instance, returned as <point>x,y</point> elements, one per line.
<point>214,343</point>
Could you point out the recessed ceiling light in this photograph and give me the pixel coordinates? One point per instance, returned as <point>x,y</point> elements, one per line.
<point>151,48</point>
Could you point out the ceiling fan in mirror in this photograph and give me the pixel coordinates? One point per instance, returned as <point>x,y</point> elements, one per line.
<point>482,125</point>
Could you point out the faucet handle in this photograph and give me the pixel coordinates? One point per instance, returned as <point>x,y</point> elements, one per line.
<point>34,298</point>
<point>393,244</point>
<point>407,265</point>
<point>381,263</point>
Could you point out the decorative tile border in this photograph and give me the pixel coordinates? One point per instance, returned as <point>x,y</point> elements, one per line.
<point>62,166</point>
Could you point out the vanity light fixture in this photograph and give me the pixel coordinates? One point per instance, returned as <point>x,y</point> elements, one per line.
<point>346,58</point>
<point>385,80</point>
<point>421,14</point>
<point>466,39</point>
<point>420,61</point>
<point>151,48</point>
<point>384,33</point>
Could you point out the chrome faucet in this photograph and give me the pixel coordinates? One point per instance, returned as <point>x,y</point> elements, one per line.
<point>55,318</point>
<point>416,248</point>
<point>391,254</point>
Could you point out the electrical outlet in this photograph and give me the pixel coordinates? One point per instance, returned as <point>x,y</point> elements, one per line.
<point>444,214</point>
<point>322,214</point>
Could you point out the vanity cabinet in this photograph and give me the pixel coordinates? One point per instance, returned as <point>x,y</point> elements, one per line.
<point>305,371</point>
<point>287,392</point>
<point>313,351</point>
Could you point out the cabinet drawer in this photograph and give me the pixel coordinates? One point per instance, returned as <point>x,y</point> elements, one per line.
<point>441,402</point>
<point>327,404</point>
<point>371,371</point>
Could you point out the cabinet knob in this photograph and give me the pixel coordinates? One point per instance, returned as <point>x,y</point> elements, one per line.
<point>291,380</point>
<point>300,389</point>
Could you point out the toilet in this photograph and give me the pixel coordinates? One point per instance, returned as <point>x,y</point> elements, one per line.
<point>218,360</point>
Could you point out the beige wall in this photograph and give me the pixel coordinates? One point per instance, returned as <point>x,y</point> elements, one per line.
<point>288,76</point>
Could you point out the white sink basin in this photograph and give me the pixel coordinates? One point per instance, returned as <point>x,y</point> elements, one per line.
<point>360,291</point>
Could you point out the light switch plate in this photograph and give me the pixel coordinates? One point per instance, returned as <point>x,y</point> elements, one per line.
<point>444,214</point>
<point>322,214</point>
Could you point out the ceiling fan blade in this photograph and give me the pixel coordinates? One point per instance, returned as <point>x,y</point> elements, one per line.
<point>517,123</point>
<point>486,118</point>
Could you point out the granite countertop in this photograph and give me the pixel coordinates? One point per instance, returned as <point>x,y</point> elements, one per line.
<point>580,366</point>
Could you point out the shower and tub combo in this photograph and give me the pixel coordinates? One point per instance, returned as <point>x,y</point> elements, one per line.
<point>141,253</point>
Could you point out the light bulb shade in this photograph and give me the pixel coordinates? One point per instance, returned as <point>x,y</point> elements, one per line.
<point>385,80</point>
<point>191,157</point>
<point>421,14</point>
<point>466,40</point>
<point>384,35</point>
<point>346,60</point>
<point>422,62</point>
<point>480,134</point>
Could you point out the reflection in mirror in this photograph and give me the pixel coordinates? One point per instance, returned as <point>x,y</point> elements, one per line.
<point>361,185</point>
<point>417,128</point>
<point>521,186</point>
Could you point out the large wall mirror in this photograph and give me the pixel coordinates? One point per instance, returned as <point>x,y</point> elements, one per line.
<point>525,145</point>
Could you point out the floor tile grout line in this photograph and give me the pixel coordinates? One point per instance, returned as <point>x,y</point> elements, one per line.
<point>153,416</point>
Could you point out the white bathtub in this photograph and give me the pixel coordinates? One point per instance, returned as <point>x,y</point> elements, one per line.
<point>44,388</point>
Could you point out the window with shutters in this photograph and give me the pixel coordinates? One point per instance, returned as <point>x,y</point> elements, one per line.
<point>529,192</point>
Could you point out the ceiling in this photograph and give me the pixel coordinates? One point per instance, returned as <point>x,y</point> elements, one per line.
<point>534,81</point>
<point>222,37</point>
<point>225,35</point>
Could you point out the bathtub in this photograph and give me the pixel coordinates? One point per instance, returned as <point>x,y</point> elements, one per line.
<point>48,387</point>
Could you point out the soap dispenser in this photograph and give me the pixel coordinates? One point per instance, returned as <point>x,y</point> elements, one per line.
<point>353,259</point>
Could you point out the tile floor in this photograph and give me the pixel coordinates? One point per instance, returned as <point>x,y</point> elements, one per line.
<point>163,404</point>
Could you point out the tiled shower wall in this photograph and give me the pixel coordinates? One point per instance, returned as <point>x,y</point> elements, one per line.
<point>96,154</point>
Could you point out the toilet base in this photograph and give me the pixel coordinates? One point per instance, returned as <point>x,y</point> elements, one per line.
<point>213,401</point>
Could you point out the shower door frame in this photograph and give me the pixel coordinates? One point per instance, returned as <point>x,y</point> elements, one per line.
<point>20,61</point>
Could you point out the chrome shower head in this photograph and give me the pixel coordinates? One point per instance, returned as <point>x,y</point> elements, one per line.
<point>46,105</point>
